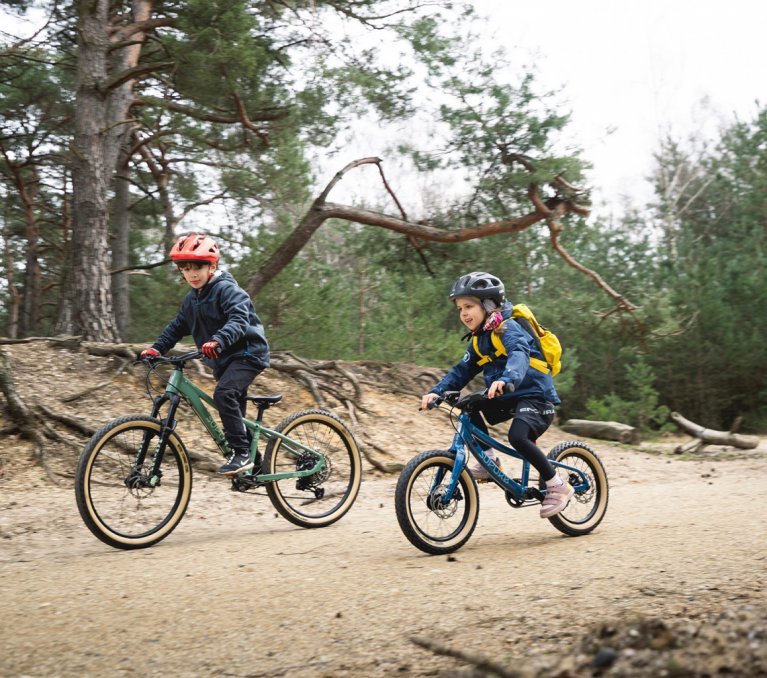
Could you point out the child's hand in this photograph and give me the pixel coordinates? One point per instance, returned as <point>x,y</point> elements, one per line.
<point>496,389</point>
<point>149,353</point>
<point>210,349</point>
<point>427,400</point>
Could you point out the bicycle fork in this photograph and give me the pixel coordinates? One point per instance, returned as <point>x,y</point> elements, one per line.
<point>439,497</point>
<point>167,425</point>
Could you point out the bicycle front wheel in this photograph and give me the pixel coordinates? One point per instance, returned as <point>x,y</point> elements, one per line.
<point>118,499</point>
<point>429,523</point>
<point>588,506</point>
<point>320,499</point>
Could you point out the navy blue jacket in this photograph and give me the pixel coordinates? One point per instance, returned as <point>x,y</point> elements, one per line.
<point>221,311</point>
<point>513,368</point>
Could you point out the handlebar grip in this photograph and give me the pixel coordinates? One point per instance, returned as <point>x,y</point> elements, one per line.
<point>434,404</point>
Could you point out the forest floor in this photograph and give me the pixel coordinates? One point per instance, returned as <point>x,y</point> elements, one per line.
<point>672,583</point>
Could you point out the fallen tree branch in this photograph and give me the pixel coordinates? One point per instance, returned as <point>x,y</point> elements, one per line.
<point>551,210</point>
<point>604,430</point>
<point>478,661</point>
<point>706,436</point>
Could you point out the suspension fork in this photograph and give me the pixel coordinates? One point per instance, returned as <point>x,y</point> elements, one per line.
<point>167,426</point>
<point>461,458</point>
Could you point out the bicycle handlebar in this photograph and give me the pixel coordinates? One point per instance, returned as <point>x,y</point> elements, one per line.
<point>454,398</point>
<point>171,360</point>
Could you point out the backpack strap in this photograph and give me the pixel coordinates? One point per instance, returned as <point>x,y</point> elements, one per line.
<point>500,350</point>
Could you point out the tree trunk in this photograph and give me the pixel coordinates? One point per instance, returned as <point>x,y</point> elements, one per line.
<point>100,127</point>
<point>27,182</point>
<point>604,430</point>
<point>120,248</point>
<point>14,298</point>
<point>361,314</point>
<point>707,436</point>
<point>93,316</point>
<point>64,324</point>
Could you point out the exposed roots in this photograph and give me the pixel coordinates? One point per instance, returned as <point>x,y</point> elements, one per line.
<point>332,384</point>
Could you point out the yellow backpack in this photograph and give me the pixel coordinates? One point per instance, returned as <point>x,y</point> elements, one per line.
<point>547,342</point>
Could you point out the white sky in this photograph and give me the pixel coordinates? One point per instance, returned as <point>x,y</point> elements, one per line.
<point>640,68</point>
<point>628,73</point>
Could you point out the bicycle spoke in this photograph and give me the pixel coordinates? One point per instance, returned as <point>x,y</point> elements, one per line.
<point>322,497</point>
<point>119,500</point>
<point>431,523</point>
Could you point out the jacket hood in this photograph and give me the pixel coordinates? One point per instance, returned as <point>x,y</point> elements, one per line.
<point>218,276</point>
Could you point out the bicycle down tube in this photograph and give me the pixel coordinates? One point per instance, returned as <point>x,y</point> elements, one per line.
<point>197,398</point>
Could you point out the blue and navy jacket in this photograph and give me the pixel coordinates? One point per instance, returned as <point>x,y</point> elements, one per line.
<point>221,311</point>
<point>513,368</point>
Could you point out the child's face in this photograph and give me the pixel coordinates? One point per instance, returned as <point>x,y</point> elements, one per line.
<point>196,273</point>
<point>471,313</point>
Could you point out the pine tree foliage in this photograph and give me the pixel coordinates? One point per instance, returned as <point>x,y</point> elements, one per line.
<point>231,103</point>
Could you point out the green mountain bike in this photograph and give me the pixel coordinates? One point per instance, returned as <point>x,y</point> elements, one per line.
<point>134,477</point>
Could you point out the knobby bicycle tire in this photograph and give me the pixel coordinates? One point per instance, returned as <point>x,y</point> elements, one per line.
<point>587,508</point>
<point>321,499</point>
<point>431,527</point>
<point>113,499</point>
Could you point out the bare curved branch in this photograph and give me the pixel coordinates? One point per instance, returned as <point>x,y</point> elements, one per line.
<point>551,211</point>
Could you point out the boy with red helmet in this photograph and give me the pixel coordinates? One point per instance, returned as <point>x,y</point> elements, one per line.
<point>516,386</point>
<point>222,320</point>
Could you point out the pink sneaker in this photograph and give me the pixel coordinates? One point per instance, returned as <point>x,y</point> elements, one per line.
<point>556,499</point>
<point>480,473</point>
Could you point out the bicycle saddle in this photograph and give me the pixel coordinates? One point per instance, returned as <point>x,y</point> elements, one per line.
<point>264,400</point>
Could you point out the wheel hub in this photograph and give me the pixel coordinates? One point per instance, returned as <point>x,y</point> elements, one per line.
<point>436,502</point>
<point>309,461</point>
<point>140,484</point>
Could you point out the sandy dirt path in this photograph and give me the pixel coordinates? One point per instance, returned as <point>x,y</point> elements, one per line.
<point>238,591</point>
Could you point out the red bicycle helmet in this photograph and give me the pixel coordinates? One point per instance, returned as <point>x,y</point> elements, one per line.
<point>195,247</point>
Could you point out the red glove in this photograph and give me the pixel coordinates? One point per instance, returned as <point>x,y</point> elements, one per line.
<point>211,349</point>
<point>149,353</point>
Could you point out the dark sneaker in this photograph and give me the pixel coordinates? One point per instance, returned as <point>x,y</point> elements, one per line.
<point>238,462</point>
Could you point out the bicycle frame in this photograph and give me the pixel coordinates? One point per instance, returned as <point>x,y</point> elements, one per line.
<point>178,388</point>
<point>466,443</point>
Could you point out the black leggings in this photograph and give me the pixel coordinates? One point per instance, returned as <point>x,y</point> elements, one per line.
<point>522,440</point>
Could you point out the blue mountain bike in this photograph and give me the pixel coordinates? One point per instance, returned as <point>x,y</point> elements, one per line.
<point>437,499</point>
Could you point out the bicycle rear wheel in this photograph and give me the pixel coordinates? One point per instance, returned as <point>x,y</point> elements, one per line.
<point>117,499</point>
<point>588,506</point>
<point>428,523</point>
<point>321,499</point>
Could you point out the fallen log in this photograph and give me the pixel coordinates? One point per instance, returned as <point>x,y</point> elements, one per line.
<point>706,436</point>
<point>603,430</point>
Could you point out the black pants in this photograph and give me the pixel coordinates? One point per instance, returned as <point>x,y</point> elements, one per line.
<point>531,419</point>
<point>229,397</point>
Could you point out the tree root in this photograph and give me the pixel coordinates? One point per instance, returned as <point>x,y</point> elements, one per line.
<point>332,384</point>
<point>29,423</point>
<point>479,662</point>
